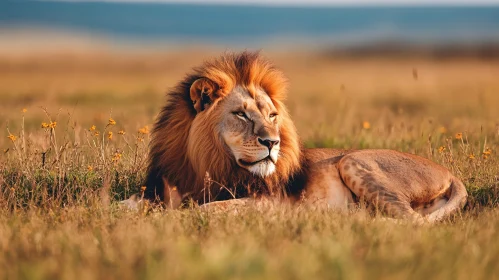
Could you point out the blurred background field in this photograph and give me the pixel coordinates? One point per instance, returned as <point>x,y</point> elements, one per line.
<point>330,96</point>
<point>81,83</point>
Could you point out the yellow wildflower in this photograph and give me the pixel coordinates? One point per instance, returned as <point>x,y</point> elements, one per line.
<point>459,135</point>
<point>90,168</point>
<point>144,130</point>
<point>116,157</point>
<point>471,156</point>
<point>487,153</point>
<point>143,188</point>
<point>111,122</point>
<point>24,110</point>
<point>92,128</point>
<point>52,124</point>
<point>366,125</point>
<point>96,133</point>
<point>110,135</point>
<point>45,125</point>
<point>12,137</point>
<point>121,132</point>
<point>441,149</point>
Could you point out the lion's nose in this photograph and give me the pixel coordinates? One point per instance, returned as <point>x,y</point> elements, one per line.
<point>269,143</point>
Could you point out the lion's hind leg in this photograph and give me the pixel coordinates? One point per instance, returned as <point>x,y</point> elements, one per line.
<point>370,185</point>
<point>427,209</point>
<point>453,202</point>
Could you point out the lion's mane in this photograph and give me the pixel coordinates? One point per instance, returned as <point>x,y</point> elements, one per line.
<point>184,154</point>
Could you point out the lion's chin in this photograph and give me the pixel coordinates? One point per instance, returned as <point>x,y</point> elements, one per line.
<point>262,169</point>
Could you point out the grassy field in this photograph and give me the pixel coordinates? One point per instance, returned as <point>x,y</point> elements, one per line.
<point>74,142</point>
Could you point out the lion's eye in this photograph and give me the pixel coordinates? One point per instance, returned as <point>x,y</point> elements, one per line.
<point>240,114</point>
<point>272,116</point>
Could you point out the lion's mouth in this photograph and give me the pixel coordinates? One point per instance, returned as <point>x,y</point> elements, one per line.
<point>247,163</point>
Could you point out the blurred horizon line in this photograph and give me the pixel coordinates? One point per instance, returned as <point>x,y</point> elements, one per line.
<point>69,44</point>
<point>301,3</point>
<point>249,26</point>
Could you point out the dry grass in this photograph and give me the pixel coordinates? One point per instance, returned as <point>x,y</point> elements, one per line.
<point>60,180</point>
<point>270,243</point>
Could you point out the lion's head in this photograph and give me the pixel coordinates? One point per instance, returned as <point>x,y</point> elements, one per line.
<point>226,119</point>
<point>248,124</point>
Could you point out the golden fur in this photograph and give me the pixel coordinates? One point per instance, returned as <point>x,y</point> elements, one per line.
<point>191,156</point>
<point>169,153</point>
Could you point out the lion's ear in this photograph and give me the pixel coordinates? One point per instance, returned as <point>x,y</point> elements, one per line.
<point>203,92</point>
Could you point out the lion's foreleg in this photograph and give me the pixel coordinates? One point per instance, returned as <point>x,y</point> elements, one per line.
<point>235,205</point>
<point>172,198</point>
<point>325,188</point>
<point>224,205</point>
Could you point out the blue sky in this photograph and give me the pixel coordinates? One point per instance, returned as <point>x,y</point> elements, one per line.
<point>317,2</point>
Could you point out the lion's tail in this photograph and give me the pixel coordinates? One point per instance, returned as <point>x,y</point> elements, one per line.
<point>457,200</point>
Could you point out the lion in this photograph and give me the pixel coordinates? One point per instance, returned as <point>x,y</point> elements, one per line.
<point>226,135</point>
